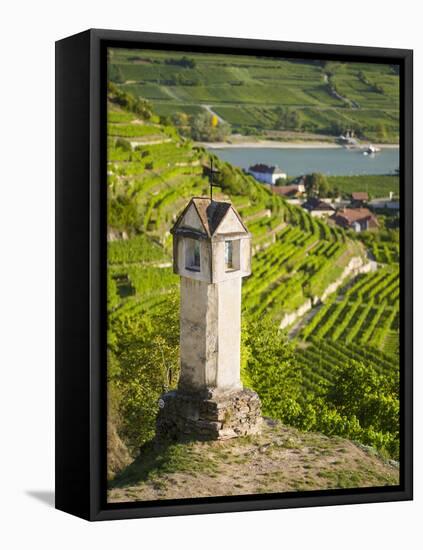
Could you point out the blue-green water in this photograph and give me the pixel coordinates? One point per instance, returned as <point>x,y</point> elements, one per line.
<point>295,162</point>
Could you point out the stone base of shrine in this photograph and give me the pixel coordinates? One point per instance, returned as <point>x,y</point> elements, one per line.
<point>208,415</point>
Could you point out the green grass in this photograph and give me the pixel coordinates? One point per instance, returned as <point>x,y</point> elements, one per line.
<point>153,463</point>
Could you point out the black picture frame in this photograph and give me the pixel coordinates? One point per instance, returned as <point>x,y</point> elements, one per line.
<point>81,274</point>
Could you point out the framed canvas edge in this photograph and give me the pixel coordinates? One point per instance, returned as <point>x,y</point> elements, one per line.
<point>98,509</point>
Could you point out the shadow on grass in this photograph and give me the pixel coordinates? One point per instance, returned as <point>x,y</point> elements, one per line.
<point>159,458</point>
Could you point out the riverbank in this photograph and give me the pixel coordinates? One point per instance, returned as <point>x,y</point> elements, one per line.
<point>273,144</point>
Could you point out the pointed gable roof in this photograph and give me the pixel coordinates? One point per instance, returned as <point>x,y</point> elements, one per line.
<point>211,214</point>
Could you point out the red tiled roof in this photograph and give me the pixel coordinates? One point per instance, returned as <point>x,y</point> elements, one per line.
<point>285,190</point>
<point>360,196</point>
<point>347,216</point>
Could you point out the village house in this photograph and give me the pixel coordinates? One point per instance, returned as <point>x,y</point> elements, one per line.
<point>359,198</point>
<point>357,219</point>
<point>290,191</point>
<point>266,174</point>
<point>318,208</point>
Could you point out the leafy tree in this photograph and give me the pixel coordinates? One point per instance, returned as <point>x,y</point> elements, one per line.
<point>381,131</point>
<point>147,352</point>
<point>112,293</point>
<point>234,182</point>
<point>336,192</point>
<point>202,129</point>
<point>165,120</point>
<point>280,182</point>
<point>140,107</point>
<point>317,184</point>
<point>323,186</point>
<point>272,369</point>
<point>358,404</point>
<point>123,144</point>
<point>180,119</point>
<point>287,119</point>
<point>115,74</point>
<point>372,398</point>
<point>123,213</point>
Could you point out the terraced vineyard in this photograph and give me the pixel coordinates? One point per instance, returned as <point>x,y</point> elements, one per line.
<point>320,359</point>
<point>152,173</point>
<point>385,253</point>
<point>300,265</point>
<point>367,312</point>
<point>259,95</point>
<point>361,323</point>
<point>296,258</point>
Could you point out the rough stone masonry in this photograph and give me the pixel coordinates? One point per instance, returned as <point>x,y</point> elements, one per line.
<point>211,253</point>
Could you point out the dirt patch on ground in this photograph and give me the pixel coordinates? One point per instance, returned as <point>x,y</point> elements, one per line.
<point>279,460</point>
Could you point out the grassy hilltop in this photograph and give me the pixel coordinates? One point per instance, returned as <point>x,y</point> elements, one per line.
<point>279,460</point>
<point>334,371</point>
<point>265,96</point>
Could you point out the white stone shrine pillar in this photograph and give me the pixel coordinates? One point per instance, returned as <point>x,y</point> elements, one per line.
<point>211,253</point>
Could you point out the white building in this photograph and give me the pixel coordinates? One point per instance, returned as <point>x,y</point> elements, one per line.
<point>266,174</point>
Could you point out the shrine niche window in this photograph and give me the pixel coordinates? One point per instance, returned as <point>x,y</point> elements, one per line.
<point>192,255</point>
<point>232,255</point>
<point>229,255</point>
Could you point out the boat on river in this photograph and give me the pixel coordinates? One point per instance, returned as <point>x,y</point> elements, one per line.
<point>371,150</point>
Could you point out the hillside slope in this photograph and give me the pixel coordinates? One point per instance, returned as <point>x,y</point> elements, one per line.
<point>349,343</point>
<point>278,460</point>
<point>265,95</point>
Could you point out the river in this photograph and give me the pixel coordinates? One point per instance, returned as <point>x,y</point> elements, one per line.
<point>295,162</point>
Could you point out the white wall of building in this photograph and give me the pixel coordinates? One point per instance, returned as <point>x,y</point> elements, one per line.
<point>267,177</point>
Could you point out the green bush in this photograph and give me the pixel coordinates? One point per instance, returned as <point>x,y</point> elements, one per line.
<point>271,368</point>
<point>123,144</point>
<point>146,364</point>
